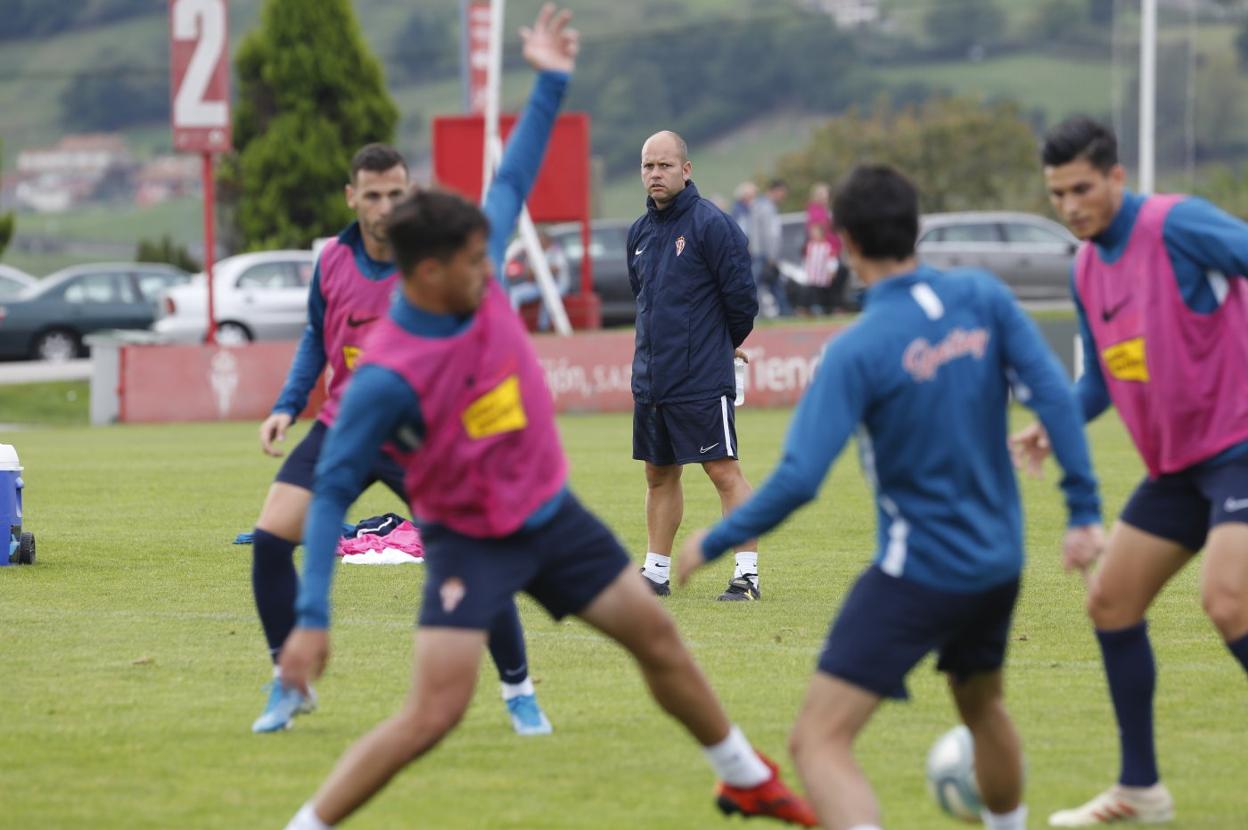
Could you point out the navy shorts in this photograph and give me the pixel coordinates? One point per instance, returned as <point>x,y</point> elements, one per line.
<point>1183,506</point>
<point>564,564</point>
<point>684,433</point>
<point>887,625</point>
<point>299,468</point>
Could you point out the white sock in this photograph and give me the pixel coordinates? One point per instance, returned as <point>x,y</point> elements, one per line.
<point>1016,819</point>
<point>735,761</point>
<point>747,565</point>
<point>306,819</point>
<point>658,566</point>
<point>524,687</point>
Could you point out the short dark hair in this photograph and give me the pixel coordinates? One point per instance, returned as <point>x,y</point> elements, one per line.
<point>376,158</point>
<point>1080,137</point>
<point>878,208</point>
<point>432,223</point>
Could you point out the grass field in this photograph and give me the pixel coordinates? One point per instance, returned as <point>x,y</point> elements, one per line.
<point>131,662</point>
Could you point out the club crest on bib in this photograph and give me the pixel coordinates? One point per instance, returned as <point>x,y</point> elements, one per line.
<point>680,245</point>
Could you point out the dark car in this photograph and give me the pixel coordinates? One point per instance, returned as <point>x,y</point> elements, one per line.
<point>49,321</point>
<point>607,238</point>
<point>14,281</point>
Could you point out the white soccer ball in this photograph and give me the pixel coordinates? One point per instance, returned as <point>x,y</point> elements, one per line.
<point>951,774</point>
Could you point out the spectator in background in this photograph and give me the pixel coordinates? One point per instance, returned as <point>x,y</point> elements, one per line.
<point>818,213</point>
<point>821,263</point>
<point>764,236</point>
<point>743,203</point>
<point>524,289</point>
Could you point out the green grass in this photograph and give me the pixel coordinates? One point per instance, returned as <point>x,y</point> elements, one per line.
<point>133,661</point>
<point>62,403</point>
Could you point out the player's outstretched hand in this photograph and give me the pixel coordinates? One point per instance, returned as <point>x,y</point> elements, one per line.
<point>272,431</point>
<point>1029,447</point>
<point>1082,547</point>
<point>550,44</point>
<point>303,657</point>
<point>690,558</point>
<point>741,354</point>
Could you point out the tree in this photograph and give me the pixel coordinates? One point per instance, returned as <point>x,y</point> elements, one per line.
<point>310,93</point>
<point>955,26</point>
<point>427,48</point>
<point>112,96</point>
<point>1241,46</point>
<point>961,153</point>
<point>166,250</point>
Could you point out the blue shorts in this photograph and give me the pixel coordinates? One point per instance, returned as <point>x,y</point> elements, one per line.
<point>299,468</point>
<point>887,625</point>
<point>684,433</point>
<point>1183,506</point>
<point>564,564</point>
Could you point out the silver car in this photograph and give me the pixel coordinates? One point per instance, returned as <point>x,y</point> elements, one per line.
<point>1031,254</point>
<point>258,296</point>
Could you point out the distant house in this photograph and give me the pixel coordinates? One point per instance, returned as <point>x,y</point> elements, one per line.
<point>166,177</point>
<point>56,178</point>
<point>848,14</point>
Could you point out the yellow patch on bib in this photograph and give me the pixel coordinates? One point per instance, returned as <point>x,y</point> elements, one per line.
<point>1126,361</point>
<point>497,411</point>
<point>350,356</point>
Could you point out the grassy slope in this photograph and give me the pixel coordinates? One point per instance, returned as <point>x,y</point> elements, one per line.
<point>132,659</point>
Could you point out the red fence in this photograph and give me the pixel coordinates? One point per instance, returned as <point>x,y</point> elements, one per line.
<point>586,373</point>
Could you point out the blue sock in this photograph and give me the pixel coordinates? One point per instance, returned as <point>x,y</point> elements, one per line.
<point>275,586</point>
<point>507,646</point>
<point>1132,677</point>
<point>1240,649</point>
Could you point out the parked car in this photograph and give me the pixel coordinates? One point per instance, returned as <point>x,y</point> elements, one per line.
<point>607,238</point>
<point>1032,254</point>
<point>258,296</point>
<point>48,321</point>
<point>14,281</point>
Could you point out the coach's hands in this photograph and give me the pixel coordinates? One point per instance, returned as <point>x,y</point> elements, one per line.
<point>303,657</point>
<point>273,430</point>
<point>550,45</point>
<point>690,558</point>
<point>741,354</point>
<point>1029,447</point>
<point>1082,547</point>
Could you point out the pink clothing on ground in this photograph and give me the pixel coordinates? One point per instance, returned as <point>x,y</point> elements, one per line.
<point>1178,379</point>
<point>405,538</point>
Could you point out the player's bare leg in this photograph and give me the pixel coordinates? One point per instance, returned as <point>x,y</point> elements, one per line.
<point>832,715</point>
<point>1224,580</point>
<point>734,490</point>
<point>665,508</point>
<point>285,508</point>
<point>998,749</point>
<point>443,679</point>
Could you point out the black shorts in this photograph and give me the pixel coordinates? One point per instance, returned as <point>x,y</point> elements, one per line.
<point>299,468</point>
<point>888,624</point>
<point>563,564</point>
<point>685,433</point>
<point>1183,506</point>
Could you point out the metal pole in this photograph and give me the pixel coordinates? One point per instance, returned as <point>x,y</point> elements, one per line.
<point>1148,93</point>
<point>493,91</point>
<point>465,70</point>
<point>210,244</point>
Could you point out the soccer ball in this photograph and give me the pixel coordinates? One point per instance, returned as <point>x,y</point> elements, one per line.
<point>951,774</point>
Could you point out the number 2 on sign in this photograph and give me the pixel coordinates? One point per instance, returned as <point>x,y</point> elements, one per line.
<point>189,107</point>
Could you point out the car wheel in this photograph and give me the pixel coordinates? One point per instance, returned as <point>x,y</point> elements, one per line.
<point>232,334</point>
<point>56,344</point>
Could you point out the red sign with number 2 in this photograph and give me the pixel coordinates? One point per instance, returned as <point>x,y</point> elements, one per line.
<point>199,75</point>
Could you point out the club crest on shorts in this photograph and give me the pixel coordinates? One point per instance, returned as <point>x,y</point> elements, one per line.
<point>680,245</point>
<point>452,593</point>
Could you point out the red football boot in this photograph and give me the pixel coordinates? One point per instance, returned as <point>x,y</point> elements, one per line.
<point>772,798</point>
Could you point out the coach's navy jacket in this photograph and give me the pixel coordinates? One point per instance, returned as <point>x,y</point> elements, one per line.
<point>689,266</point>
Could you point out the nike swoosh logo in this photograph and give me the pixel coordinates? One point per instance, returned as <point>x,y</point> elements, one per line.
<point>708,449</point>
<point>638,251</point>
<point>1234,505</point>
<point>1110,313</point>
<point>364,321</point>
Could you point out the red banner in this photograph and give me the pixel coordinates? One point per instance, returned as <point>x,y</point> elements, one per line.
<point>199,75</point>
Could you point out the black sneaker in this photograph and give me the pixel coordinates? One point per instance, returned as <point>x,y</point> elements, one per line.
<point>661,589</point>
<point>741,589</point>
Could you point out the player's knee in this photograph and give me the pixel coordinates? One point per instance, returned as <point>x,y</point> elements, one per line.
<point>726,476</point>
<point>422,726</point>
<point>1227,608</point>
<point>657,477</point>
<point>1106,608</point>
<point>659,643</point>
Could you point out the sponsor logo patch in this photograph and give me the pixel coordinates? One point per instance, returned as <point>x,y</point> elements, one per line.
<point>1127,360</point>
<point>497,411</point>
<point>351,356</point>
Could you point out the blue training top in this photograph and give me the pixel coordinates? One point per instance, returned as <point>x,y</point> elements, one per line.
<point>1207,246</point>
<point>925,374</point>
<point>379,405</point>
